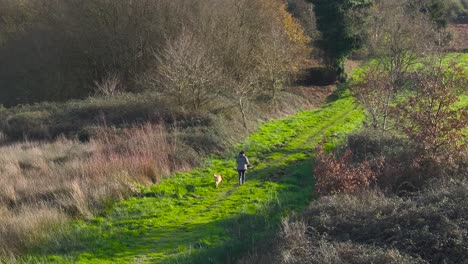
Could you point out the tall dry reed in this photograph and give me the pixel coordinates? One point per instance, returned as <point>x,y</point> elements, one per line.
<point>42,185</point>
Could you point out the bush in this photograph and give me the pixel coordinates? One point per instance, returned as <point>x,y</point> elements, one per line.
<point>398,173</point>
<point>371,143</point>
<point>340,175</point>
<point>28,125</point>
<point>50,120</point>
<point>404,171</point>
<point>430,225</point>
<point>370,227</point>
<point>294,244</point>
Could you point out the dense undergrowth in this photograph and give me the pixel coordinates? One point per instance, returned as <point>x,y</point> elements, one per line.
<point>185,219</point>
<point>429,227</point>
<point>411,210</point>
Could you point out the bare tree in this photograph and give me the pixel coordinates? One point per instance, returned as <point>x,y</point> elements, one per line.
<point>261,38</point>
<point>399,36</point>
<point>372,93</point>
<point>66,46</point>
<point>430,116</point>
<point>187,72</point>
<point>108,86</point>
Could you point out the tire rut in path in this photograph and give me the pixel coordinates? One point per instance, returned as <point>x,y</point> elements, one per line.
<point>233,188</point>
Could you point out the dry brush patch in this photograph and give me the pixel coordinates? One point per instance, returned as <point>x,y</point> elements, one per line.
<point>42,185</point>
<point>371,227</point>
<point>430,225</point>
<point>295,244</point>
<point>342,175</point>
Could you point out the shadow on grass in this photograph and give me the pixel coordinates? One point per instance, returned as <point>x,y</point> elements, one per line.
<point>342,91</point>
<point>317,76</point>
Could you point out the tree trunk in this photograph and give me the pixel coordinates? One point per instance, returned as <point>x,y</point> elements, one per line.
<point>244,119</point>
<point>387,102</point>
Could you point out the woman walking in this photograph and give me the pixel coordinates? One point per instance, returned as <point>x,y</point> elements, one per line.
<point>242,162</point>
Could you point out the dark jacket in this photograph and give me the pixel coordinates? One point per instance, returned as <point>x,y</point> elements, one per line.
<point>242,162</point>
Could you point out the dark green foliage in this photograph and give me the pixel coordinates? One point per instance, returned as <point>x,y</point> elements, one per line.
<point>444,11</point>
<point>458,9</point>
<point>320,76</point>
<point>440,11</point>
<point>341,23</point>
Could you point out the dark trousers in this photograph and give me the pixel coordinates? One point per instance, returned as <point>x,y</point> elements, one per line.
<point>241,176</point>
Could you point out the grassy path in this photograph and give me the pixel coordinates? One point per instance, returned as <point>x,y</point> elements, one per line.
<point>186,220</point>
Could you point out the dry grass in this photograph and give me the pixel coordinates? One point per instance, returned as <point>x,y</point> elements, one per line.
<point>28,226</point>
<point>44,184</point>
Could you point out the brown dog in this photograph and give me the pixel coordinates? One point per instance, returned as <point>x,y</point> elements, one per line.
<point>218,178</point>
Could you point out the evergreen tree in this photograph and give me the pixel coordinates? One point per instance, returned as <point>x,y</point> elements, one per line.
<point>341,23</point>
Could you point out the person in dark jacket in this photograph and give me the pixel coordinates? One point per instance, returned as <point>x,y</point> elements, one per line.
<point>242,162</point>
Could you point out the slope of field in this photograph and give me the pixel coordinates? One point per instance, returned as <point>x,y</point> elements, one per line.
<point>186,220</point>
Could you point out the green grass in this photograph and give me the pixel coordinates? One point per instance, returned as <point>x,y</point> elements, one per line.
<point>460,59</point>
<point>463,102</point>
<point>185,219</point>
